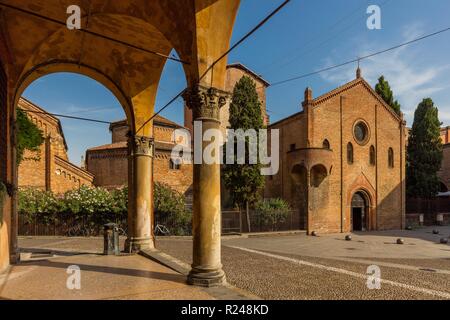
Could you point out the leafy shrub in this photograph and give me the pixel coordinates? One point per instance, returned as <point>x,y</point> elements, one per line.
<point>93,207</point>
<point>272,212</point>
<point>97,206</point>
<point>37,205</point>
<point>88,207</point>
<point>170,210</point>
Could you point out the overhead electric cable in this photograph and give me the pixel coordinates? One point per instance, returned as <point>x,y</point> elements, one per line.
<point>358,59</point>
<point>66,116</point>
<point>281,62</point>
<point>240,41</point>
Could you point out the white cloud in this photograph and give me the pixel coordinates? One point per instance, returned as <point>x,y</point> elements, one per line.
<point>410,81</point>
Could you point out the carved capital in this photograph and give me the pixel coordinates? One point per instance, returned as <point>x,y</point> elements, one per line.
<point>140,145</point>
<point>205,102</point>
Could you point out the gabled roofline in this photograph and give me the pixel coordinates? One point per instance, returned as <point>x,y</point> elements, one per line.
<point>46,113</point>
<point>317,101</point>
<point>239,65</point>
<point>285,119</point>
<point>163,123</point>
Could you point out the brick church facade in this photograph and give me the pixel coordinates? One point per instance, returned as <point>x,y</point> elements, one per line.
<point>342,161</point>
<point>342,158</point>
<point>50,169</point>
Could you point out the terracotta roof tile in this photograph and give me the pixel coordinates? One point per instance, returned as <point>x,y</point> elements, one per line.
<point>117,145</point>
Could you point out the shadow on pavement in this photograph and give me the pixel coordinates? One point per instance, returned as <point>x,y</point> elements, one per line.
<point>112,270</point>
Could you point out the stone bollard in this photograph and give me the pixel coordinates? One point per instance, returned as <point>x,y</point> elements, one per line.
<point>440,219</point>
<point>111,239</point>
<point>421,219</point>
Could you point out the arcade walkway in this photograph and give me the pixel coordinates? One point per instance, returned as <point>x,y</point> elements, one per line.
<point>43,275</point>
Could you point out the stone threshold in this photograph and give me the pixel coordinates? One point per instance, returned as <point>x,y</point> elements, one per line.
<point>241,235</point>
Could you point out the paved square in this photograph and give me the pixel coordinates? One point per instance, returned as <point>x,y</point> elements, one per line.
<point>328,267</point>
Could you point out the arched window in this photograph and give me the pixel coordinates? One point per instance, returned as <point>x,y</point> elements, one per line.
<point>391,158</point>
<point>350,153</point>
<point>318,174</point>
<point>174,165</point>
<point>372,156</point>
<point>326,144</point>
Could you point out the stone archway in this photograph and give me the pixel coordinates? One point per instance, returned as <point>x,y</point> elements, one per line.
<point>57,66</point>
<point>318,175</point>
<point>200,31</point>
<point>54,67</point>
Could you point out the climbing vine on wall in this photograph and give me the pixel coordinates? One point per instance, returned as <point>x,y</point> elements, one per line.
<point>29,137</point>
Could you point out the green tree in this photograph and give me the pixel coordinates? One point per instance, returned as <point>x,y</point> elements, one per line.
<point>244,182</point>
<point>29,136</point>
<point>384,90</point>
<point>424,153</point>
<point>272,212</point>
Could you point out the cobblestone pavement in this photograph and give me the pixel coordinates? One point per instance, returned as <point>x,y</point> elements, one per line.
<point>328,267</point>
<point>303,267</point>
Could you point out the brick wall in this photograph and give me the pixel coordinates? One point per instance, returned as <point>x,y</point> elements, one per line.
<point>49,169</point>
<point>65,176</point>
<point>384,185</point>
<point>109,164</point>
<point>109,167</point>
<point>180,180</point>
<point>119,132</point>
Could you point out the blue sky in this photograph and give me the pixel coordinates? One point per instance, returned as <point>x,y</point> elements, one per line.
<point>306,36</point>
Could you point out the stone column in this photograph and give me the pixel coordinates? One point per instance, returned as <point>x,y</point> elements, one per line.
<point>140,207</point>
<point>205,104</point>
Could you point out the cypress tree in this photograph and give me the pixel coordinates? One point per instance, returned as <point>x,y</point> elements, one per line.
<point>384,90</point>
<point>244,182</point>
<point>424,152</point>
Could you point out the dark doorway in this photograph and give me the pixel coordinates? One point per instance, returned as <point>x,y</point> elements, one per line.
<point>357,217</point>
<point>359,210</point>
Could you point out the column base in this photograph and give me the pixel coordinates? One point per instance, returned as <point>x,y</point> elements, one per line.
<point>14,258</point>
<point>134,245</point>
<point>206,278</point>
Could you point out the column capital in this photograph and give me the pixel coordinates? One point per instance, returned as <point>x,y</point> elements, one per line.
<point>141,145</point>
<point>205,102</point>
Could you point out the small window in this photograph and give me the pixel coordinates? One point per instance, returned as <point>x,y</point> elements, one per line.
<point>372,156</point>
<point>350,153</point>
<point>293,147</point>
<point>174,165</point>
<point>391,158</point>
<point>326,144</point>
